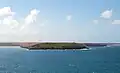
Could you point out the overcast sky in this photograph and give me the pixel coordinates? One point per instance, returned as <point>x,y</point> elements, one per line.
<point>60,20</point>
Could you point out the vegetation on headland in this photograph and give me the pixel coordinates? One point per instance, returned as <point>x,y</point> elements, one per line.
<point>51,45</point>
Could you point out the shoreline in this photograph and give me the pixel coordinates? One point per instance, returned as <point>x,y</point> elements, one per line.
<point>10,47</point>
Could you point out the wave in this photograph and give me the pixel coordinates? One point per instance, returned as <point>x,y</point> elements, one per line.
<point>85,49</point>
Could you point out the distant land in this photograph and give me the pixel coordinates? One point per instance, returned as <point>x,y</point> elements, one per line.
<point>56,45</point>
<point>39,45</point>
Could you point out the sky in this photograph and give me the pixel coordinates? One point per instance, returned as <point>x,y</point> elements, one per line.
<point>60,20</point>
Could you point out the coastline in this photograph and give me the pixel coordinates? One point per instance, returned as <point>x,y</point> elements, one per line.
<point>10,47</point>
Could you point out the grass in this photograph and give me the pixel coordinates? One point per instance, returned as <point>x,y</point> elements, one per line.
<point>51,45</point>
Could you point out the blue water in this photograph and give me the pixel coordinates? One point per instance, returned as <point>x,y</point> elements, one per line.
<point>96,60</point>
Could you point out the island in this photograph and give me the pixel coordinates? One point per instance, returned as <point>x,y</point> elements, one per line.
<point>56,45</point>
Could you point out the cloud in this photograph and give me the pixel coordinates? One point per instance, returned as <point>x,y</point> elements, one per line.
<point>6,11</point>
<point>95,21</point>
<point>12,29</point>
<point>10,21</point>
<point>106,14</point>
<point>31,18</point>
<point>116,22</point>
<point>69,17</point>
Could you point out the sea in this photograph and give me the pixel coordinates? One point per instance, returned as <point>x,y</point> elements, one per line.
<point>94,60</point>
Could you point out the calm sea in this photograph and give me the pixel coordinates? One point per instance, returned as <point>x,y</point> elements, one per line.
<point>96,60</point>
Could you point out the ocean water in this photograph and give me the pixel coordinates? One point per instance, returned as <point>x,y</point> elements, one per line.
<point>95,60</point>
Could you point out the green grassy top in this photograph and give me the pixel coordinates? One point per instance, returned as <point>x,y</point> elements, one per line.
<point>58,45</point>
